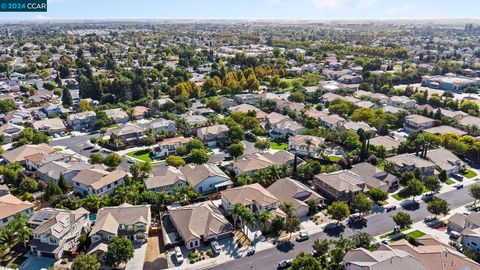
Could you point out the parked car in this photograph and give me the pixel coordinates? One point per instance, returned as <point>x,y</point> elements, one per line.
<point>459,186</point>
<point>316,253</point>
<point>396,229</point>
<point>429,218</point>
<point>303,236</point>
<point>215,247</point>
<point>251,251</point>
<point>178,255</point>
<point>390,208</point>
<point>284,264</point>
<point>454,234</point>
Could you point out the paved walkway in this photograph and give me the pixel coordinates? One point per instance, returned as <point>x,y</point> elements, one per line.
<point>138,258</point>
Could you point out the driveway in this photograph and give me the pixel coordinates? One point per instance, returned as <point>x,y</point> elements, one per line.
<point>34,262</point>
<point>138,257</point>
<point>156,255</point>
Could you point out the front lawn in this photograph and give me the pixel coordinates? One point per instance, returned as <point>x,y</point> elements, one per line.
<point>392,233</point>
<point>404,195</point>
<point>142,154</point>
<point>333,159</point>
<point>449,182</point>
<point>277,146</point>
<point>414,234</point>
<point>470,174</point>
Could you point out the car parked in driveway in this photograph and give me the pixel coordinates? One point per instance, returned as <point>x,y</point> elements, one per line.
<point>429,218</point>
<point>459,186</point>
<point>215,247</point>
<point>178,255</point>
<point>251,251</point>
<point>390,208</point>
<point>303,236</point>
<point>284,264</point>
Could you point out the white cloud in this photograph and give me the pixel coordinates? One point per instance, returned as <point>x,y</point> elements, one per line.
<point>399,9</point>
<point>366,3</point>
<point>329,3</point>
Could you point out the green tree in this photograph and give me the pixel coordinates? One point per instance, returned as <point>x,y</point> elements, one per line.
<point>198,156</point>
<point>113,160</point>
<point>292,224</point>
<point>52,190</point>
<point>474,191</point>
<point>67,101</point>
<point>28,185</point>
<point>438,206</point>
<point>262,144</point>
<point>92,202</point>
<point>414,188</point>
<point>119,251</point>
<point>96,158</point>
<point>7,105</point>
<point>304,261</point>
<point>402,219</point>
<point>321,247</point>
<point>236,133</point>
<point>432,183</point>
<point>287,208</point>
<point>236,149</point>
<point>378,195</point>
<point>361,203</point>
<point>63,184</point>
<point>175,161</point>
<point>338,210</point>
<point>313,207</point>
<point>362,240</point>
<point>86,262</point>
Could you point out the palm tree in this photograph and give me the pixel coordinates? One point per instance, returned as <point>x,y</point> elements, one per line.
<point>321,149</point>
<point>92,202</point>
<point>308,144</point>
<point>288,208</point>
<point>264,219</point>
<point>235,210</point>
<point>247,217</point>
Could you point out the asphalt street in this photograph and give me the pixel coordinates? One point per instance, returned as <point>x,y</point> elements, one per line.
<point>376,224</point>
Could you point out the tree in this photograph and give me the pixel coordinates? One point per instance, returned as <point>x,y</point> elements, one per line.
<point>262,144</point>
<point>305,261</point>
<point>113,160</point>
<point>120,250</point>
<point>195,144</point>
<point>402,219</point>
<point>140,170</point>
<point>438,206</point>
<point>235,210</point>
<point>288,208</point>
<point>292,224</point>
<point>235,150</point>
<point>321,247</point>
<point>67,101</point>
<point>432,183</point>
<point>338,210</point>
<point>86,262</point>
<point>63,184</point>
<point>313,207</point>
<point>361,203</point>
<point>362,240</point>
<point>7,105</point>
<point>175,161</point>
<point>378,195</point>
<point>474,191</point>
<point>236,133</point>
<point>92,202</point>
<point>443,176</point>
<point>52,190</point>
<point>198,156</point>
<point>28,185</point>
<point>414,188</point>
<point>96,158</point>
<point>84,105</point>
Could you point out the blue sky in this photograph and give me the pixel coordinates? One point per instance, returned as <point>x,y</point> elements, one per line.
<point>254,9</point>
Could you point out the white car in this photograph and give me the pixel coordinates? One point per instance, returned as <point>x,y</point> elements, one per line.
<point>215,247</point>
<point>303,236</point>
<point>178,255</point>
<point>284,264</point>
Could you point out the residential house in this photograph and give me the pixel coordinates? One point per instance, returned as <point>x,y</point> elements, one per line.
<point>274,118</point>
<point>52,170</point>
<point>340,185</point>
<point>374,177</point>
<point>50,126</point>
<point>169,146</point>
<point>82,121</point>
<point>469,121</point>
<point>118,115</point>
<point>165,180</point>
<point>285,129</point>
<point>200,222</point>
<point>251,163</point>
<point>97,181</point>
<point>456,115</point>
<point>10,132</point>
<point>57,231</point>
<point>126,220</point>
<point>305,145</point>
<point>445,129</point>
<point>410,162</point>
<point>164,126</point>
<point>10,206</point>
<point>53,109</point>
<point>446,160</point>
<point>206,178</point>
<point>355,126</point>
<point>192,123</point>
<point>384,257</point>
<point>415,123</point>
<point>331,121</point>
<point>245,108</point>
<point>388,142</point>
<point>35,161</point>
<point>128,134</point>
<point>402,102</point>
<point>20,154</point>
<point>212,135</point>
<point>288,190</point>
<point>451,83</point>
<point>139,112</point>
<point>251,99</point>
<point>253,196</point>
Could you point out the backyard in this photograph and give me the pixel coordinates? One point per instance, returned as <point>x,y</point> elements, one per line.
<point>142,154</point>
<point>277,146</point>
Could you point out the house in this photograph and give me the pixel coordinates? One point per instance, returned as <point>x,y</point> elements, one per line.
<point>212,135</point>
<point>415,123</point>
<point>468,121</point>
<point>388,142</point>
<point>165,180</point>
<point>251,99</point>
<point>57,231</point>
<point>200,222</point>
<point>164,126</point>
<point>126,220</point>
<point>206,178</point>
<point>139,112</point>
<point>402,102</point>
<point>11,206</point>
<point>228,102</point>
<point>118,115</point>
<point>82,121</point>
<point>253,196</point>
<point>327,98</point>
<point>35,161</point>
<point>305,145</point>
<point>193,123</point>
<point>331,121</point>
<point>296,193</point>
<point>97,181</point>
<point>410,162</point>
<point>285,129</point>
<point>451,83</point>
<point>384,257</point>
<point>20,154</point>
<point>50,126</point>
<point>340,185</point>
<point>355,126</point>
<point>169,146</point>
<point>10,132</point>
<point>374,177</point>
<point>284,106</point>
<point>445,129</point>
<point>245,108</point>
<point>52,170</point>
<point>434,254</point>
<point>456,115</point>
<point>274,118</point>
<point>251,163</point>
<point>446,160</point>
<point>53,109</point>
<point>126,135</point>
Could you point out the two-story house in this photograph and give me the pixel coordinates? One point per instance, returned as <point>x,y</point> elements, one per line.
<point>169,146</point>
<point>11,206</point>
<point>97,181</point>
<point>206,178</point>
<point>165,179</point>
<point>164,126</point>
<point>82,121</point>
<point>212,135</point>
<point>305,145</point>
<point>415,123</point>
<point>410,162</point>
<point>57,231</point>
<point>340,185</point>
<point>126,135</point>
<point>118,115</point>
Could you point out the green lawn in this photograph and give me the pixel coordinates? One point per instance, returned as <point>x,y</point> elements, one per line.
<point>449,182</point>
<point>392,233</point>
<point>470,174</point>
<point>333,159</point>
<point>401,195</point>
<point>277,146</point>
<point>142,154</point>
<point>414,234</point>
